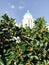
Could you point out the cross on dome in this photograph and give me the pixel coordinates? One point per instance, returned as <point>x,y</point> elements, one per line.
<point>27,11</point>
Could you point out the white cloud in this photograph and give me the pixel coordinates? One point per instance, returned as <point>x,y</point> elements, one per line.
<point>12,6</point>
<point>20,7</point>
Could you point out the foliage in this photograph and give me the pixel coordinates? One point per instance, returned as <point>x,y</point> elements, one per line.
<point>19,46</point>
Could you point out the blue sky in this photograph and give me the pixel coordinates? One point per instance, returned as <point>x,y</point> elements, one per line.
<point>17,8</point>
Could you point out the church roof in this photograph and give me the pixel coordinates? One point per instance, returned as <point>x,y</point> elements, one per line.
<point>28,15</point>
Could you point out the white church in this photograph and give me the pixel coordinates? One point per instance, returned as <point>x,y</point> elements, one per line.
<point>28,20</point>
